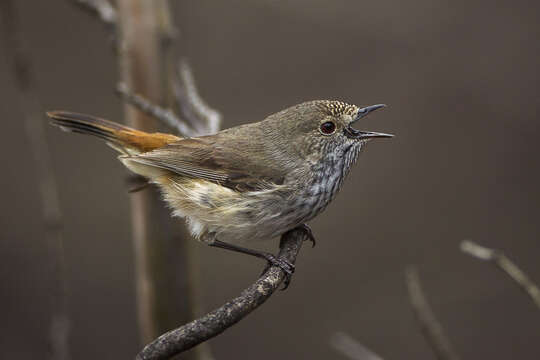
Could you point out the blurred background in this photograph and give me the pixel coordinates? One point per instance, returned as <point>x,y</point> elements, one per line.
<point>461,80</point>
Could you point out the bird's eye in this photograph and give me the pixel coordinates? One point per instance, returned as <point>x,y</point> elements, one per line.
<point>328,128</point>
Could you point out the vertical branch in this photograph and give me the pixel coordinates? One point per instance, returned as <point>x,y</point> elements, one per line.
<point>25,84</point>
<point>431,327</point>
<point>142,29</point>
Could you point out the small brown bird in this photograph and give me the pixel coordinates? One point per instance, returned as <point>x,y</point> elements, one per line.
<point>250,182</point>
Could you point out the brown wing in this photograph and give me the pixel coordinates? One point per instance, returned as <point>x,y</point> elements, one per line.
<point>220,158</point>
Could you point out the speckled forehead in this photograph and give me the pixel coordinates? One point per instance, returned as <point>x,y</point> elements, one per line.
<point>337,108</point>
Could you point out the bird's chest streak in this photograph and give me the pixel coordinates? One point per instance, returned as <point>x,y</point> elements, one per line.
<point>325,182</point>
<point>317,193</point>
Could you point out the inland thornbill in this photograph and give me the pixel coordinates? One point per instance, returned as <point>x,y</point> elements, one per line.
<point>250,182</point>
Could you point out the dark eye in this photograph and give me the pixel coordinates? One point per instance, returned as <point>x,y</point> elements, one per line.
<point>328,128</point>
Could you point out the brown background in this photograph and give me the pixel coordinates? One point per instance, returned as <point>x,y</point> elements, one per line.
<point>462,82</point>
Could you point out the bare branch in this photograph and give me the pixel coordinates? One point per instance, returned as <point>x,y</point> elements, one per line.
<point>24,79</point>
<point>431,328</point>
<point>201,118</point>
<point>503,263</point>
<point>217,321</point>
<point>156,111</point>
<point>103,9</point>
<point>350,348</point>
<point>204,119</point>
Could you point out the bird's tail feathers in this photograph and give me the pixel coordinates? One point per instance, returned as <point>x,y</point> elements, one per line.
<point>125,140</point>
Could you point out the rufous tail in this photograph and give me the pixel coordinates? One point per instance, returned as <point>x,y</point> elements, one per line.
<point>124,139</point>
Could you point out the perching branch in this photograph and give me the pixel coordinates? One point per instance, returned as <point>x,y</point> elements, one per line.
<point>167,116</point>
<point>502,262</point>
<point>431,328</point>
<point>351,348</point>
<point>33,113</point>
<point>212,324</point>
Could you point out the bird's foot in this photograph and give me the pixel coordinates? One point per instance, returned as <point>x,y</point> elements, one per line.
<point>286,266</point>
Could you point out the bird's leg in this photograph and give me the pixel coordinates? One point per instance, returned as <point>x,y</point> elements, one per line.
<point>286,266</point>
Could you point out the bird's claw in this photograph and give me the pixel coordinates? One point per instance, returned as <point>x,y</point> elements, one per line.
<point>309,233</point>
<point>307,230</point>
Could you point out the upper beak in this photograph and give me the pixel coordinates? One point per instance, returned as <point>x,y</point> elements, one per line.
<point>366,110</point>
<point>366,134</point>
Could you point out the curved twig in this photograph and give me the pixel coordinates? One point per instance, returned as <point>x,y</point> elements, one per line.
<point>349,347</point>
<point>217,321</point>
<point>503,263</point>
<point>167,116</point>
<point>431,327</point>
<point>203,118</point>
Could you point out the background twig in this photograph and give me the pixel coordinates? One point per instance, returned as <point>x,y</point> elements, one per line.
<point>32,114</point>
<point>167,116</point>
<point>217,321</point>
<point>503,263</point>
<point>431,328</point>
<point>203,118</point>
<point>351,348</point>
<point>103,9</point>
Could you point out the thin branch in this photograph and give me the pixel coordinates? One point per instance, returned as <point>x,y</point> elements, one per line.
<point>146,106</point>
<point>431,328</point>
<point>24,78</point>
<point>217,321</point>
<point>103,9</point>
<point>502,262</point>
<point>351,348</point>
<point>200,115</point>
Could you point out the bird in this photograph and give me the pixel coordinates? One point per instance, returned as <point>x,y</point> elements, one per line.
<point>246,183</point>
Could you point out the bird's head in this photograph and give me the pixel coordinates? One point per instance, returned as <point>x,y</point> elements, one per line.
<point>325,128</point>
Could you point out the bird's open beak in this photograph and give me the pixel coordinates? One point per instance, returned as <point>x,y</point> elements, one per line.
<point>358,134</point>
